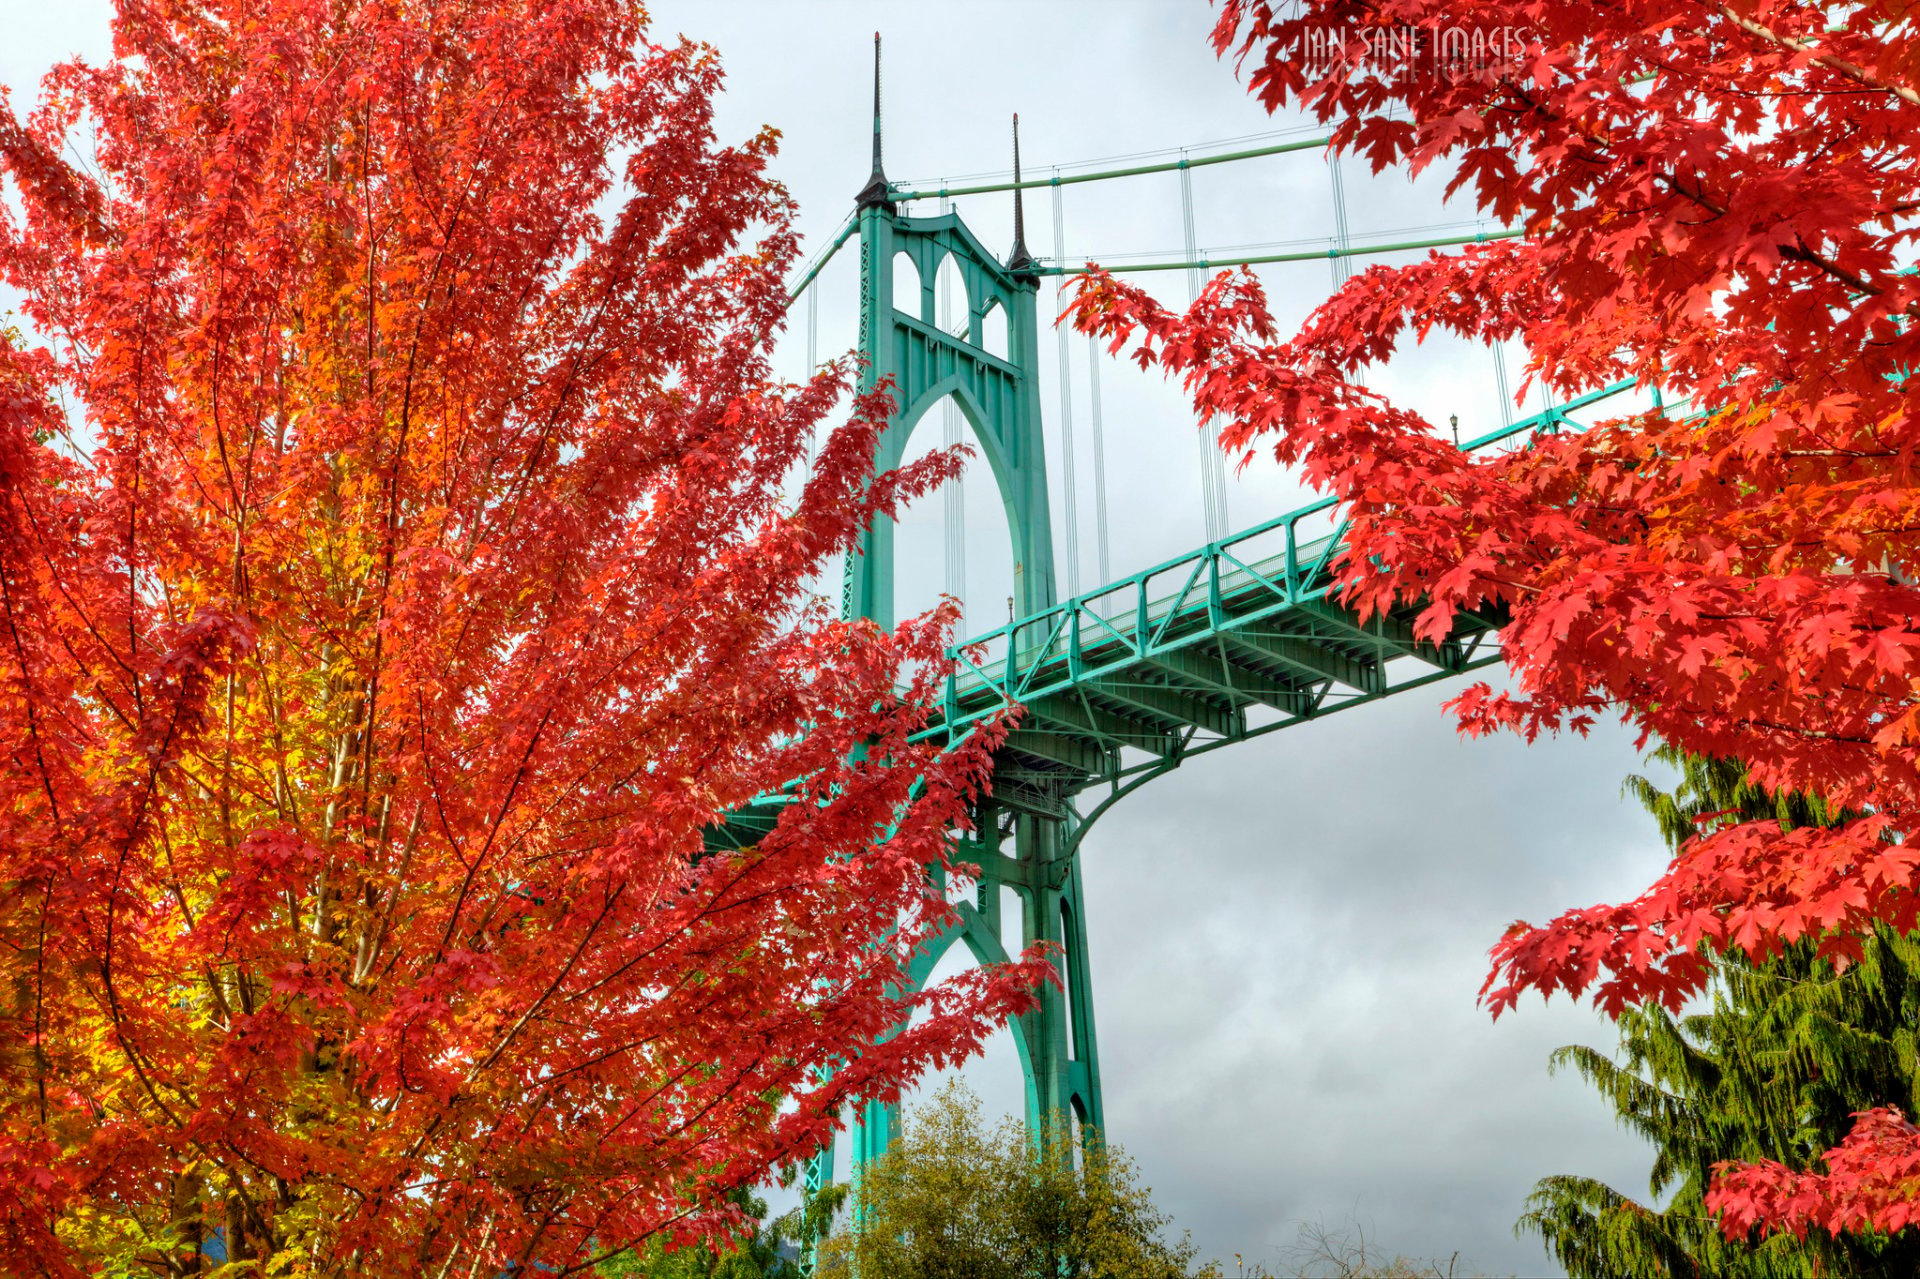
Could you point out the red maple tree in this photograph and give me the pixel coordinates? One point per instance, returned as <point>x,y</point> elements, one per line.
<point>1718,202</point>
<point>398,581</point>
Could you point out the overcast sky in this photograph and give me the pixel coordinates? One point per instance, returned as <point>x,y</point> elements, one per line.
<point>1286,937</point>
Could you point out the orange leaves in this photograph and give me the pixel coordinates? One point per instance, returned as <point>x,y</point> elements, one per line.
<point>377,677</point>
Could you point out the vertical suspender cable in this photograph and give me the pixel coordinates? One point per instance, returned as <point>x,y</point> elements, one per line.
<point>1213,476</point>
<point>813,329</point>
<point>1070,474</point>
<point>1500,382</point>
<point>813,359</point>
<point>1341,264</point>
<point>955,497</point>
<point>1094,354</point>
<point>1193,291</point>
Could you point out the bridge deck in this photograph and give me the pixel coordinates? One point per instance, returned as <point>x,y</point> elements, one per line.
<point>1237,639</point>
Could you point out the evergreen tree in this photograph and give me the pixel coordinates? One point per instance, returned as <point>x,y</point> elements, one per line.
<point>1788,1051</point>
<point>769,1251</point>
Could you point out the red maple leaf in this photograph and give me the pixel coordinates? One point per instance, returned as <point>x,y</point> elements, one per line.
<point>1736,579</point>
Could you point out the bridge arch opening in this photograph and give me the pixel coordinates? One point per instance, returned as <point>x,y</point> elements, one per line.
<point>993,330</point>
<point>951,310</point>
<point>957,540</point>
<point>1076,1118</point>
<point>996,1075</point>
<point>1068,965</point>
<point>906,285</point>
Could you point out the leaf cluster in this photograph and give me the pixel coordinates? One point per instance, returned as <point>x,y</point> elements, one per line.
<point>1718,212</point>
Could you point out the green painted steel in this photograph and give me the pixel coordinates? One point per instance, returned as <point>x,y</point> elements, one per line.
<point>1234,640</point>
<point>1230,641</point>
<point>1018,848</point>
<point>998,396</point>
<point>1115,687</point>
<point>1120,685</point>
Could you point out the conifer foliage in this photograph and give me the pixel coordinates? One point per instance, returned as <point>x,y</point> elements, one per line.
<point>1788,1052</point>
<point>397,583</point>
<point>1718,202</point>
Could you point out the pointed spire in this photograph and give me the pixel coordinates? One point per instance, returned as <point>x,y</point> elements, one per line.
<point>876,191</point>
<point>1020,262</point>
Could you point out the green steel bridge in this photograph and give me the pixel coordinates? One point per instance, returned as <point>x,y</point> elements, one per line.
<point>1239,638</point>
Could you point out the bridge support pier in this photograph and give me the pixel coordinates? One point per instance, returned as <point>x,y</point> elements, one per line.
<point>1061,1060</point>
<point>1056,1041</point>
<point>998,393</point>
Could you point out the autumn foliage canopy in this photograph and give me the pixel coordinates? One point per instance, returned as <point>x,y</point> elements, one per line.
<point>399,577</point>
<point>1719,203</point>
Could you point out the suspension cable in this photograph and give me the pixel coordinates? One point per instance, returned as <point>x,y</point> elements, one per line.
<point>955,497</point>
<point>1213,480</point>
<point>845,233</point>
<point>813,365</point>
<point>903,192</point>
<point>1070,478</point>
<point>1500,382</point>
<point>1341,270</point>
<point>1262,259</point>
<point>1099,459</point>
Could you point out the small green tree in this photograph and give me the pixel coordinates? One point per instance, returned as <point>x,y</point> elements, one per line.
<point>1789,1050</point>
<point>756,1256</point>
<point>955,1199</point>
<point>763,1253</point>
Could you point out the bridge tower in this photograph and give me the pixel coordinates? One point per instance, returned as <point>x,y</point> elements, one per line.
<point>1026,830</point>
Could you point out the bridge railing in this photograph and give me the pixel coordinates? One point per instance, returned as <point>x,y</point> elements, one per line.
<point>1274,565</point>
<point>1239,580</point>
